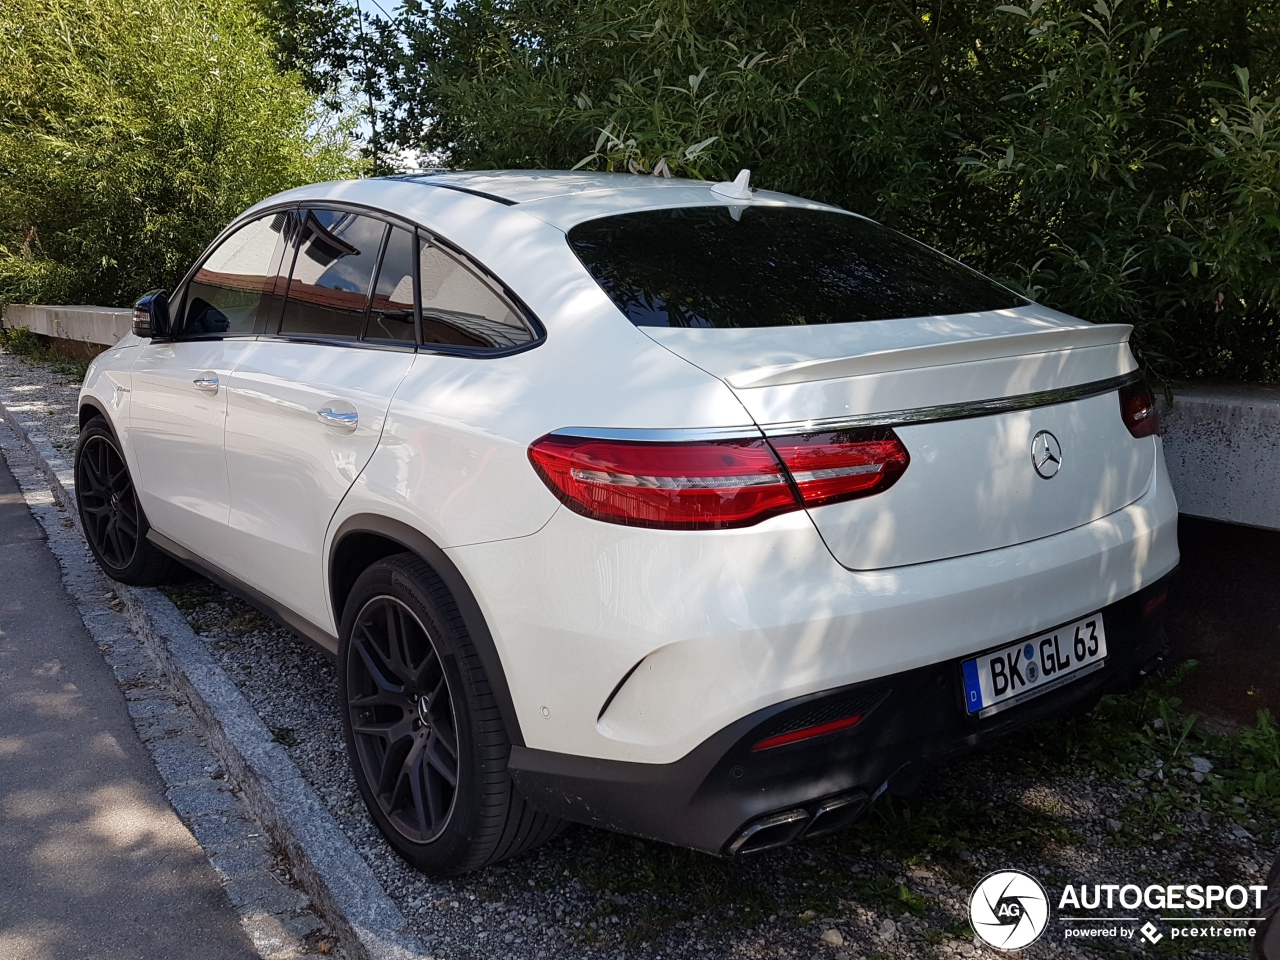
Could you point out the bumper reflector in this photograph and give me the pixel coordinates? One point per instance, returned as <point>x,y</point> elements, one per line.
<point>1154,609</point>
<point>807,733</point>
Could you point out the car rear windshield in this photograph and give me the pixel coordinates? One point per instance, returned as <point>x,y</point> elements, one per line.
<point>763,266</point>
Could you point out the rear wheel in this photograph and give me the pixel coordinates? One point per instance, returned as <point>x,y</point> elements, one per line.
<point>427,744</point>
<point>114,524</point>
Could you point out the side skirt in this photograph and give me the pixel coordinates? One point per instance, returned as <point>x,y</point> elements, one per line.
<point>236,587</point>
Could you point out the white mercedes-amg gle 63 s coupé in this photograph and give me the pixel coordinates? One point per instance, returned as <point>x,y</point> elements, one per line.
<point>688,510</point>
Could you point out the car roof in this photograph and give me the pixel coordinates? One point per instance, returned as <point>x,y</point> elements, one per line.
<point>490,215</point>
<point>563,198</point>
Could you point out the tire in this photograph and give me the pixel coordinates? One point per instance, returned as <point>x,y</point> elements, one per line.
<point>426,741</point>
<point>114,524</point>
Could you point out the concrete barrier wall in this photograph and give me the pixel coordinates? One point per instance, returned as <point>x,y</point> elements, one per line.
<point>1222,443</point>
<point>102,326</point>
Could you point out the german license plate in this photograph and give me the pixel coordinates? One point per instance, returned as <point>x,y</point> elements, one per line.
<point>1028,668</point>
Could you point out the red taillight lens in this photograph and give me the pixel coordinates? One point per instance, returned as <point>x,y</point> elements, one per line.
<point>713,484</point>
<point>1138,410</point>
<point>684,486</point>
<point>831,467</point>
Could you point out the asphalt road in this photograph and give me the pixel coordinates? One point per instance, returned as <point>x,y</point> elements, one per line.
<point>93,860</point>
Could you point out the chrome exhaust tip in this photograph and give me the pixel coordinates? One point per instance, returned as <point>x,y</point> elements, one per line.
<point>773,830</point>
<point>836,813</point>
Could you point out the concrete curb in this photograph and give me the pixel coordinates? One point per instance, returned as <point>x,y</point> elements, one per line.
<point>340,884</point>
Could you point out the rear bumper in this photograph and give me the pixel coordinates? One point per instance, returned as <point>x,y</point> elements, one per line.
<point>637,645</point>
<point>724,798</point>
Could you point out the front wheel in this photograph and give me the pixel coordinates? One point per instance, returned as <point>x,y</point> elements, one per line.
<point>426,741</point>
<point>112,519</point>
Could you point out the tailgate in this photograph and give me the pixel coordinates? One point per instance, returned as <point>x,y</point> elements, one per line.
<point>1011,420</point>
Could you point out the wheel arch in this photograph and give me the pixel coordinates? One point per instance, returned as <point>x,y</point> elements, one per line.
<point>364,539</point>
<point>91,407</point>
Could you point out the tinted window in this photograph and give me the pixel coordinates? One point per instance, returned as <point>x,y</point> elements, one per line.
<point>332,273</point>
<point>391,314</point>
<point>238,283</point>
<point>460,308</point>
<point>772,267</point>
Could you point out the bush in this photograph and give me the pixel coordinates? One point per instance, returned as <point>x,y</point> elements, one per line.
<point>1118,161</point>
<point>131,131</point>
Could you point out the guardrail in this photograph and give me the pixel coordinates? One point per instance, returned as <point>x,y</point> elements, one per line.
<point>1221,442</point>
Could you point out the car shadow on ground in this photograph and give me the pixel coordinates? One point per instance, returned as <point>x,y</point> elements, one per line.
<point>1224,613</point>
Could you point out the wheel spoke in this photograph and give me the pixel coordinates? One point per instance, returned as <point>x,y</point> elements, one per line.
<point>398,643</point>
<point>128,526</point>
<point>437,803</point>
<point>96,482</point>
<point>103,470</point>
<point>388,781</point>
<point>387,692</point>
<point>413,772</point>
<point>389,730</point>
<point>442,763</point>
<point>429,676</point>
<point>117,547</point>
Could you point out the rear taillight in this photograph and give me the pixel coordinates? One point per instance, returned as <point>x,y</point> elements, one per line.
<point>714,484</point>
<point>684,486</point>
<point>1138,410</point>
<point>831,467</point>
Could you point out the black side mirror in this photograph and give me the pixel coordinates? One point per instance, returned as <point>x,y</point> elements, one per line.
<point>151,315</point>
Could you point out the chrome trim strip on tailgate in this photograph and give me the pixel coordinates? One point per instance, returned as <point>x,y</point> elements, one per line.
<point>662,435</point>
<point>954,411</point>
<point>891,418</point>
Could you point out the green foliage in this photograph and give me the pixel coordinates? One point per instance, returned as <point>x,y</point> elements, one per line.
<point>131,131</point>
<point>1119,160</point>
<point>1254,769</point>
<point>319,39</point>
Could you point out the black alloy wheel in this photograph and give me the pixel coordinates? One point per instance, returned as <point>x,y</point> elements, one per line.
<point>427,742</point>
<point>401,716</point>
<point>108,503</point>
<point>112,518</point>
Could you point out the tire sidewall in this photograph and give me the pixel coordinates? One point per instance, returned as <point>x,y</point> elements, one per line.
<point>453,851</point>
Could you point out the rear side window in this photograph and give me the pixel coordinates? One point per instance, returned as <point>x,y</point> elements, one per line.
<point>332,274</point>
<point>239,282</point>
<point>462,308</point>
<point>391,313</point>
<point>772,267</point>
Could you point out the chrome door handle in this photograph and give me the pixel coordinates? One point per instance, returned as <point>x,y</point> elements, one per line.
<point>206,384</point>
<point>332,418</point>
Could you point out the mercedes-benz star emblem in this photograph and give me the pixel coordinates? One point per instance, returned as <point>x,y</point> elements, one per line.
<point>1046,454</point>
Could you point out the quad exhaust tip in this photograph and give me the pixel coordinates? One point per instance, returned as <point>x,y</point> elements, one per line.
<point>779,829</point>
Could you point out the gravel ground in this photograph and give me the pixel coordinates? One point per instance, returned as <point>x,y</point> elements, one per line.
<point>1050,802</point>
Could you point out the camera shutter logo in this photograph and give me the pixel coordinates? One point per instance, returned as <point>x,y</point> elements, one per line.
<point>1009,909</point>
